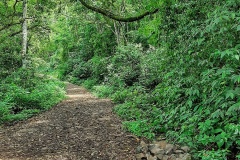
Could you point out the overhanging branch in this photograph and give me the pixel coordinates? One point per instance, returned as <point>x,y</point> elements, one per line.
<point>116,17</point>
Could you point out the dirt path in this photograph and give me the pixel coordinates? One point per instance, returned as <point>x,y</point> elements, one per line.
<point>82,127</point>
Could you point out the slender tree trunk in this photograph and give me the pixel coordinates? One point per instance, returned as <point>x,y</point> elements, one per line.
<point>116,32</point>
<point>24,32</point>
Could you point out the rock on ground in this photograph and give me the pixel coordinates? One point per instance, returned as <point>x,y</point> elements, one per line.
<point>161,150</point>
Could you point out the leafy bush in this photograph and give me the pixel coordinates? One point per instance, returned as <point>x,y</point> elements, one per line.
<point>125,65</point>
<point>22,97</point>
<point>99,67</point>
<point>151,68</point>
<point>139,128</point>
<point>10,59</point>
<point>42,93</point>
<point>103,90</point>
<point>89,83</point>
<point>121,95</point>
<point>128,111</point>
<point>4,111</point>
<point>82,71</point>
<point>23,77</point>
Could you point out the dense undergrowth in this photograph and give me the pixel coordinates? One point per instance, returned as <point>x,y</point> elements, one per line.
<point>23,95</point>
<point>178,75</point>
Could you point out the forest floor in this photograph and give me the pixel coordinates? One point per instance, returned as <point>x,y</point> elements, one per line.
<point>82,127</point>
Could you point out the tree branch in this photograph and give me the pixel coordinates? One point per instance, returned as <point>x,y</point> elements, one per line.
<point>14,6</point>
<point>9,25</point>
<point>116,17</point>
<point>20,31</point>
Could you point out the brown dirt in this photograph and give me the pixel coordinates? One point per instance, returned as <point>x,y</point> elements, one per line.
<point>82,127</point>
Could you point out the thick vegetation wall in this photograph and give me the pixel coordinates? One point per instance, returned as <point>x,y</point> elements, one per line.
<point>175,73</point>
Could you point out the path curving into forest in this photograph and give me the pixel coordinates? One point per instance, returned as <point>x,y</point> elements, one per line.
<point>82,127</point>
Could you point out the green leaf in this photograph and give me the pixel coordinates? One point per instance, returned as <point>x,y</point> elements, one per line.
<point>238,28</point>
<point>238,142</point>
<point>235,78</point>
<point>233,109</point>
<point>230,93</point>
<point>238,156</point>
<point>189,102</point>
<point>218,113</point>
<point>220,143</point>
<point>237,57</point>
<point>218,130</point>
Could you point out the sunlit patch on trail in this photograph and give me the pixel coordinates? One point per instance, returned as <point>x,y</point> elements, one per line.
<point>79,96</point>
<point>40,122</point>
<point>74,89</point>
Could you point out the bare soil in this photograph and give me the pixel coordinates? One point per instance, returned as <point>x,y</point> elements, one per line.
<point>82,127</point>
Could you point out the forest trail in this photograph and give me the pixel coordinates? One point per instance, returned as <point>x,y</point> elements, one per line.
<point>82,127</point>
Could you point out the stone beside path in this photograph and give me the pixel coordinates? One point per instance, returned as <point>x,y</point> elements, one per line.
<point>161,150</point>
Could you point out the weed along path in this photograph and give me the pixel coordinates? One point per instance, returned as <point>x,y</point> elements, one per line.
<point>82,127</point>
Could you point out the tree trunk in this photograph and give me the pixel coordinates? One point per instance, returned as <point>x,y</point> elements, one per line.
<point>24,32</point>
<point>116,32</point>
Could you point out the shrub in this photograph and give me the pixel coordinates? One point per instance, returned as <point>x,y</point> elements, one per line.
<point>4,111</point>
<point>121,95</point>
<point>98,67</point>
<point>89,83</point>
<point>125,65</point>
<point>139,128</point>
<point>103,90</point>
<point>82,71</point>
<point>22,100</point>
<point>152,64</point>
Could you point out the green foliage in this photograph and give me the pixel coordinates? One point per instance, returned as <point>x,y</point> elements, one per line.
<point>128,111</point>
<point>139,128</point>
<point>99,67</point>
<point>4,111</point>
<point>10,60</point>
<point>213,155</point>
<point>151,68</point>
<point>103,90</point>
<point>8,118</point>
<point>89,83</point>
<point>124,66</point>
<point>121,95</point>
<point>23,95</point>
